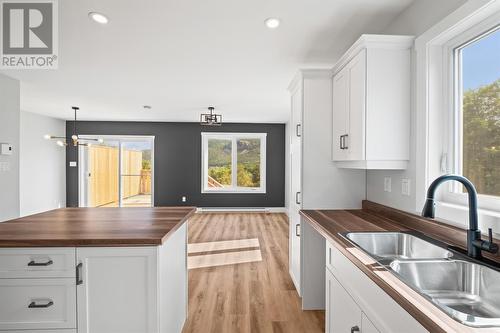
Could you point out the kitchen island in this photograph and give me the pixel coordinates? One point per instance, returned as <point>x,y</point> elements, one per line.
<point>98,270</point>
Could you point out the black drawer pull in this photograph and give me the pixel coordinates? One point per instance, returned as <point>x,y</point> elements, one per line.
<point>79,278</point>
<point>34,305</point>
<point>34,263</point>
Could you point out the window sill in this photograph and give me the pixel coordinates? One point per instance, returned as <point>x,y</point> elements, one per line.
<point>458,215</point>
<point>234,192</point>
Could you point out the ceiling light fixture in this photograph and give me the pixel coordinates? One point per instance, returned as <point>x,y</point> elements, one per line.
<point>211,119</point>
<point>75,139</point>
<point>272,22</point>
<point>99,18</point>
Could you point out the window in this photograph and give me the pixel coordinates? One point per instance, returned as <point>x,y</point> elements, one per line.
<point>234,162</point>
<point>476,90</point>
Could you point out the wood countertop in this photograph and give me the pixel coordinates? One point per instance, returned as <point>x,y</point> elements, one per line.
<point>375,217</point>
<point>94,227</point>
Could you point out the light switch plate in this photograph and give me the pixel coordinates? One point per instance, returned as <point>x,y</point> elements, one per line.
<point>387,184</point>
<point>405,187</point>
<point>6,149</point>
<point>72,164</point>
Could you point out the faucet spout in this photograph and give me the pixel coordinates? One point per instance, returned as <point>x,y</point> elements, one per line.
<point>474,242</point>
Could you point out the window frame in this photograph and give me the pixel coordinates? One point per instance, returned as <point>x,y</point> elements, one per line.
<point>452,158</point>
<point>233,136</point>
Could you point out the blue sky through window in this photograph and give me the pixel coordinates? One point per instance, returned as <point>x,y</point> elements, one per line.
<point>481,62</point>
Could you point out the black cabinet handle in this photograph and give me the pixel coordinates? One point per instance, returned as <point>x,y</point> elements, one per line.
<point>34,305</point>
<point>34,263</point>
<point>341,139</point>
<point>297,130</point>
<point>297,198</point>
<point>79,279</point>
<point>354,329</point>
<point>297,230</point>
<point>346,146</point>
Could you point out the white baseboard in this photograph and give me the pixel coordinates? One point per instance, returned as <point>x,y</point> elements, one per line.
<point>243,209</point>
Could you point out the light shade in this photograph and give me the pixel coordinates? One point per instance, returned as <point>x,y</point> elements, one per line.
<point>99,18</point>
<point>272,22</point>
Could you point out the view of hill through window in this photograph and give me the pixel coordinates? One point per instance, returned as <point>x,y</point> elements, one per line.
<point>481,113</point>
<point>220,162</point>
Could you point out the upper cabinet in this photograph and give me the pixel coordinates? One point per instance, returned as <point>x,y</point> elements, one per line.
<point>371,104</point>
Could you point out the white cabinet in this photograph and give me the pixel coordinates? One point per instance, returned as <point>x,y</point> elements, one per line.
<point>314,178</point>
<point>295,185</point>
<point>95,289</point>
<point>37,304</point>
<point>353,301</point>
<point>371,104</point>
<point>117,291</point>
<point>342,312</point>
<point>133,289</point>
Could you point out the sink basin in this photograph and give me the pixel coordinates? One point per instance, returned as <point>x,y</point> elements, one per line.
<point>397,245</point>
<point>468,292</point>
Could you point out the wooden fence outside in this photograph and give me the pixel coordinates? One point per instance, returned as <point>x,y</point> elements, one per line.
<point>104,178</point>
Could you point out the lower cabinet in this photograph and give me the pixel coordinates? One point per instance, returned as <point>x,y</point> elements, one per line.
<point>107,290</point>
<point>342,312</point>
<point>118,283</point>
<point>354,303</point>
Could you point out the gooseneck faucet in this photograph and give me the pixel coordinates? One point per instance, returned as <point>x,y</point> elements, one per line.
<point>474,242</point>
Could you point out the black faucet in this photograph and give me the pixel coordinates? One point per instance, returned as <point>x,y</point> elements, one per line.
<point>474,242</point>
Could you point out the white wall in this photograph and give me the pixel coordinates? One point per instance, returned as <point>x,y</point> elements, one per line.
<point>9,133</point>
<point>42,165</point>
<point>415,20</point>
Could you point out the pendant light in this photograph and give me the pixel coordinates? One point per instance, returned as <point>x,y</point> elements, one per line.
<point>211,119</point>
<point>75,139</point>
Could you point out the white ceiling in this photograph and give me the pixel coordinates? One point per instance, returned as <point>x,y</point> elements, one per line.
<point>181,56</point>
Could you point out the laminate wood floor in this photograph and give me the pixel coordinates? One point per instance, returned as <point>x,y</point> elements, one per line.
<point>242,283</point>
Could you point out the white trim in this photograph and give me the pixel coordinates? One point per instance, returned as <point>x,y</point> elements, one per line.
<point>242,209</point>
<point>387,42</point>
<point>233,136</point>
<point>431,89</point>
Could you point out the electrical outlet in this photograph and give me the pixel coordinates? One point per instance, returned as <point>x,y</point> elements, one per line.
<point>72,164</point>
<point>184,199</point>
<point>405,187</point>
<point>387,184</point>
<point>4,166</point>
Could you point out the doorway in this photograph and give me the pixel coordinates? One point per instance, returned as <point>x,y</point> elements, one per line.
<point>117,172</point>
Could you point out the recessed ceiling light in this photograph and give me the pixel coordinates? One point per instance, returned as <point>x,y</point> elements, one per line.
<point>272,22</point>
<point>99,18</point>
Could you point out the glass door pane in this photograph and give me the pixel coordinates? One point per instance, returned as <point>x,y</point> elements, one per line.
<point>102,174</point>
<point>136,172</point>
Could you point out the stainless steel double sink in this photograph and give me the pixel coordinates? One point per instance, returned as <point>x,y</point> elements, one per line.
<point>467,291</point>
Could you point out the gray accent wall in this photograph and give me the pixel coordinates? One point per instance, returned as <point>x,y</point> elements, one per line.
<point>177,164</point>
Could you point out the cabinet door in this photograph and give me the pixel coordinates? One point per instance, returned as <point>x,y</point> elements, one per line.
<point>340,114</point>
<point>342,313</point>
<point>367,326</point>
<point>118,290</point>
<point>355,142</point>
<point>295,187</point>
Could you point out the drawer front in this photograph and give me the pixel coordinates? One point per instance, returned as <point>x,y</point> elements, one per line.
<point>37,262</point>
<point>37,304</point>
<point>329,255</point>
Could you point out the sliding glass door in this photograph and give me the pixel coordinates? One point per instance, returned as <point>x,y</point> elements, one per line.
<point>117,173</point>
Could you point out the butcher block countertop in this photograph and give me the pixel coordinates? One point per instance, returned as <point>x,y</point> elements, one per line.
<point>375,217</point>
<point>94,227</point>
